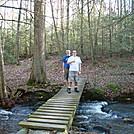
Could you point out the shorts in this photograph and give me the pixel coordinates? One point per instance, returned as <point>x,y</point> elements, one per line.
<point>73,76</point>
<point>66,73</point>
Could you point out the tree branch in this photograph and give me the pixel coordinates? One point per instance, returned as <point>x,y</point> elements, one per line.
<point>15,21</point>
<point>116,23</point>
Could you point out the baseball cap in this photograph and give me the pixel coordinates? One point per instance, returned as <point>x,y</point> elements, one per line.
<point>74,51</point>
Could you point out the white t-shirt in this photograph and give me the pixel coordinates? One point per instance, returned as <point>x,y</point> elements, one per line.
<point>75,65</point>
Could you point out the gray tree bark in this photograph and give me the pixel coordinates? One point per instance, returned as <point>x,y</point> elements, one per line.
<point>38,74</point>
<point>67,28</point>
<point>90,29</point>
<point>3,91</point>
<point>62,25</point>
<point>55,27</point>
<point>81,33</point>
<point>17,35</point>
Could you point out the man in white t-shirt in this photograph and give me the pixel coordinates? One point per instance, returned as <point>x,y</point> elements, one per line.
<point>74,71</point>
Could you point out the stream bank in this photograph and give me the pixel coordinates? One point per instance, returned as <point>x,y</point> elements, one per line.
<point>96,117</point>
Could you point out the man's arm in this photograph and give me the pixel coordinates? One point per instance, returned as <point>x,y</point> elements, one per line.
<point>63,66</point>
<point>70,62</point>
<point>80,67</point>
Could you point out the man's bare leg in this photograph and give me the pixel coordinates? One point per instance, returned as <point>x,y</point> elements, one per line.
<point>67,83</point>
<point>76,87</point>
<point>69,87</point>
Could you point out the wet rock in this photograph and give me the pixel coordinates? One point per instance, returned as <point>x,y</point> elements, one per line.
<point>82,129</point>
<point>23,131</point>
<point>103,129</point>
<point>116,113</point>
<point>128,120</point>
<point>106,110</point>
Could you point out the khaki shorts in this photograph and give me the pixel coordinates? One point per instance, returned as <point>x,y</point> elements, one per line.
<point>66,73</point>
<point>73,76</point>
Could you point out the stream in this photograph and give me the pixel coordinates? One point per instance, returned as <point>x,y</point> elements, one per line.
<point>95,116</point>
<point>102,118</point>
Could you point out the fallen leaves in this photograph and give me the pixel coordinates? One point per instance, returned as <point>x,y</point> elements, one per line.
<point>104,71</point>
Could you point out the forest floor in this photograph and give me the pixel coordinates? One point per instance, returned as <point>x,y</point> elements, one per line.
<point>119,71</point>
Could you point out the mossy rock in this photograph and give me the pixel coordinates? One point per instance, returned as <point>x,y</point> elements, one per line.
<point>94,94</point>
<point>126,97</point>
<point>36,96</point>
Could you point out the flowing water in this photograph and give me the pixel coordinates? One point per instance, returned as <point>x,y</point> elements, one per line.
<point>102,118</point>
<point>9,119</point>
<point>90,116</point>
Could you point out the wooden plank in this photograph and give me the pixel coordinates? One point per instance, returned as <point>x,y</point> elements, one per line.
<point>61,102</point>
<point>49,117</point>
<point>53,111</point>
<point>44,126</point>
<point>57,108</point>
<point>65,104</point>
<point>52,114</point>
<point>62,122</point>
<point>63,99</point>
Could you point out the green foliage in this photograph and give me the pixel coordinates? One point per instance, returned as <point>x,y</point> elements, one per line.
<point>111,60</point>
<point>113,87</point>
<point>128,66</point>
<point>9,58</point>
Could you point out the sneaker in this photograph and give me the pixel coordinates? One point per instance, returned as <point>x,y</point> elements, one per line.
<point>76,89</point>
<point>69,90</point>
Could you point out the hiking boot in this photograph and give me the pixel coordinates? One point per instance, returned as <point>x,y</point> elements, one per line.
<point>69,90</point>
<point>76,89</point>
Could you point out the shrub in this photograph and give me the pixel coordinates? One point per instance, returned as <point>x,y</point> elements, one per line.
<point>113,87</point>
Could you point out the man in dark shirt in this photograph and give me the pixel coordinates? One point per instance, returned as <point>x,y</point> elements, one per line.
<point>65,66</point>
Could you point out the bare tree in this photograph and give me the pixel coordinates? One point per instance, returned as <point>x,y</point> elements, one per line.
<point>110,31</point>
<point>55,27</point>
<point>38,74</point>
<point>67,28</point>
<point>97,29</point>
<point>62,17</point>
<point>90,28</point>
<point>81,27</point>
<point>17,34</point>
<point>3,91</point>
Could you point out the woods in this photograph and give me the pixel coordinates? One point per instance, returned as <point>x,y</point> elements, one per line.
<point>37,29</point>
<point>90,26</point>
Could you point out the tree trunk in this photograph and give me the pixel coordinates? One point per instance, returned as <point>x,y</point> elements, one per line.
<point>90,29</point>
<point>3,92</point>
<point>67,29</point>
<point>62,26</point>
<point>38,74</point>
<point>132,5</point>
<point>102,33</point>
<point>30,34</point>
<point>81,33</point>
<point>55,27</point>
<point>110,32</point>
<point>97,30</point>
<point>17,35</point>
<point>120,27</point>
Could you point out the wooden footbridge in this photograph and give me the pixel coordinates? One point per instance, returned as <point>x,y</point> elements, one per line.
<point>56,114</point>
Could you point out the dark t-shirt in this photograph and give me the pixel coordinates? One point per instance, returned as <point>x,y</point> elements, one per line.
<point>65,59</point>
